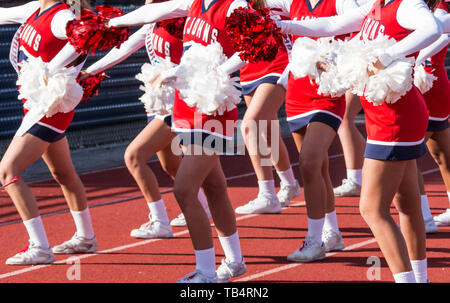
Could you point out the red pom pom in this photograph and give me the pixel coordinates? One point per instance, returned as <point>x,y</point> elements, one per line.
<point>174,26</point>
<point>254,34</point>
<point>89,32</point>
<point>91,85</point>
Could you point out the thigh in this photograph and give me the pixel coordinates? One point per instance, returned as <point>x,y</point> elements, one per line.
<point>408,195</point>
<point>22,152</point>
<point>193,171</point>
<point>439,142</point>
<point>265,102</point>
<point>58,158</point>
<point>381,181</point>
<point>317,140</point>
<point>353,106</point>
<point>157,135</point>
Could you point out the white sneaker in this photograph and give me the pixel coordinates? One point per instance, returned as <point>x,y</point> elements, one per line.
<point>332,241</point>
<point>308,252</point>
<point>151,230</point>
<point>77,245</point>
<point>348,188</point>
<point>443,219</point>
<point>430,227</point>
<point>198,277</point>
<point>260,205</point>
<point>32,255</point>
<point>287,193</point>
<point>181,220</point>
<point>228,270</point>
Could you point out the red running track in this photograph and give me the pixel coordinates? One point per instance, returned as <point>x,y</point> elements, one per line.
<point>117,206</point>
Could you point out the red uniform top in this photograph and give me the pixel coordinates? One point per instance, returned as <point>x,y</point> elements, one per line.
<point>302,96</point>
<point>205,25</point>
<point>37,40</point>
<point>161,44</point>
<point>438,97</point>
<point>255,71</point>
<point>405,121</point>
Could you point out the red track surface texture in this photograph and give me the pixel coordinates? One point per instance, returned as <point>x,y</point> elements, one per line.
<point>117,206</point>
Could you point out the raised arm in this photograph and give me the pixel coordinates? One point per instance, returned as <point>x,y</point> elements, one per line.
<point>348,22</point>
<point>445,22</point>
<point>18,14</point>
<point>153,12</point>
<point>117,55</point>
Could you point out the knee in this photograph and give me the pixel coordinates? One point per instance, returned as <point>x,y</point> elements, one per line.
<point>185,193</point>
<point>440,158</point>
<point>132,158</point>
<point>63,177</point>
<point>310,166</point>
<point>6,173</point>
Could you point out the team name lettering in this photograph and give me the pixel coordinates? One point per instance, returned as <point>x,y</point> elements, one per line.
<point>371,29</point>
<point>161,46</point>
<point>200,29</point>
<point>31,37</point>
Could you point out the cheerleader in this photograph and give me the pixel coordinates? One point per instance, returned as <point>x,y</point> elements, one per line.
<point>395,131</point>
<point>200,166</point>
<point>42,35</point>
<point>264,97</point>
<point>157,136</point>
<point>437,137</point>
<point>314,120</point>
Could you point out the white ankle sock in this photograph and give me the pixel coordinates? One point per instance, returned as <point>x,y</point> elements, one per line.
<point>405,277</point>
<point>267,189</point>
<point>331,223</point>
<point>83,223</point>
<point>36,232</point>
<point>231,247</point>
<point>205,261</point>
<point>426,212</point>
<point>420,269</point>
<point>287,177</point>
<point>355,175</point>
<point>315,227</point>
<point>158,211</point>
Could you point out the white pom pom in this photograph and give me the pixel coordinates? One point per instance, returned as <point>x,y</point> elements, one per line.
<point>47,94</point>
<point>356,58</point>
<point>203,84</point>
<point>423,80</point>
<point>158,100</point>
<point>304,56</point>
<point>391,83</point>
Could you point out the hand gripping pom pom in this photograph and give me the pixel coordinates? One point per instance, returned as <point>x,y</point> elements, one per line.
<point>423,80</point>
<point>203,84</point>
<point>91,85</point>
<point>306,53</point>
<point>89,32</point>
<point>47,94</point>
<point>157,100</point>
<point>254,34</point>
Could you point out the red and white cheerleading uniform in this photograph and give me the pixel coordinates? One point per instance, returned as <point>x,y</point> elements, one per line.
<point>438,97</point>
<point>303,104</point>
<point>394,131</point>
<point>254,74</point>
<point>160,45</point>
<point>204,25</point>
<point>41,36</point>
